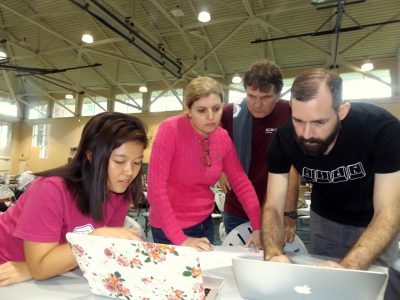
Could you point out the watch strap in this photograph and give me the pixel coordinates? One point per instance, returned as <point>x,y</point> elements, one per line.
<point>291,214</point>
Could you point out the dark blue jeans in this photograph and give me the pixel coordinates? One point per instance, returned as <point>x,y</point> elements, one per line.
<point>393,288</point>
<point>203,229</point>
<point>231,221</point>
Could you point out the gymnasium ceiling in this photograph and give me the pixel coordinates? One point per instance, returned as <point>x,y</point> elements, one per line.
<point>46,34</point>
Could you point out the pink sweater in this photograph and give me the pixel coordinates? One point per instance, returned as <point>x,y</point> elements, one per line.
<point>179,183</point>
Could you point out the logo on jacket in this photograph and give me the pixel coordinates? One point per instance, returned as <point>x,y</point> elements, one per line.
<point>236,109</point>
<point>270,130</point>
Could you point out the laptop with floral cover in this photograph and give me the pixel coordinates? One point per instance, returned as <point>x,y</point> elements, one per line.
<point>131,270</point>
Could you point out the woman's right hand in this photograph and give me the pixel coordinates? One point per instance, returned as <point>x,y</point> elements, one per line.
<point>13,272</point>
<point>200,244</point>
<point>118,232</point>
<point>224,183</point>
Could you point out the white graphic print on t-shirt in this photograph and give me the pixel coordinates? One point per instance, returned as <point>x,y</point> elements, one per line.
<point>340,174</point>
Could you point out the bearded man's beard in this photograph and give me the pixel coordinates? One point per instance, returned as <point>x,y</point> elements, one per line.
<point>316,147</point>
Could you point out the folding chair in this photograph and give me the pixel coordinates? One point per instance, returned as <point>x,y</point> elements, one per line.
<point>240,234</point>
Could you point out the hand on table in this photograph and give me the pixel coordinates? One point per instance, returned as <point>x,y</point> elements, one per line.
<point>201,244</point>
<point>118,232</point>
<point>254,239</point>
<point>13,272</point>
<point>278,258</point>
<point>330,264</point>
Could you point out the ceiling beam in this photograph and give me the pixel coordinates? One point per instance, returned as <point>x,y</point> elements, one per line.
<point>206,38</point>
<point>175,24</point>
<point>250,13</point>
<point>216,47</point>
<point>48,95</point>
<point>12,92</point>
<point>241,18</point>
<point>368,74</point>
<point>395,17</point>
<point>41,26</point>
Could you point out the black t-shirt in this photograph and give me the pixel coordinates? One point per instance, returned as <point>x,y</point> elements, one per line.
<point>343,180</point>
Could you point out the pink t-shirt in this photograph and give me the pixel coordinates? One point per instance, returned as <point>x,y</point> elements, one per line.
<point>46,212</point>
<point>179,183</point>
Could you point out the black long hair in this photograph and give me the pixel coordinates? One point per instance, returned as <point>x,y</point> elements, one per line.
<point>86,175</point>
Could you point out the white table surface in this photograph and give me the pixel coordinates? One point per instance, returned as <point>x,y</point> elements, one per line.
<point>72,285</point>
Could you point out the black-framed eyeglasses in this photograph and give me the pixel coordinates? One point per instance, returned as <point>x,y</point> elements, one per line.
<point>204,143</point>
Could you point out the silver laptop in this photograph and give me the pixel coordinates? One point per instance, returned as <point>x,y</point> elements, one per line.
<point>126,269</point>
<point>257,279</point>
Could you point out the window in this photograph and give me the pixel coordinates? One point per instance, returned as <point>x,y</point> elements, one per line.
<point>91,108</point>
<point>236,93</point>
<point>355,86</point>
<point>38,111</point>
<point>358,86</point>
<point>40,138</point>
<point>127,108</point>
<point>287,85</point>
<point>60,111</point>
<point>167,102</point>
<point>8,106</point>
<point>5,138</point>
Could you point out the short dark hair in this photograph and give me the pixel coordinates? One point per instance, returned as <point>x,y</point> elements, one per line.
<point>263,76</point>
<point>86,175</point>
<point>307,84</point>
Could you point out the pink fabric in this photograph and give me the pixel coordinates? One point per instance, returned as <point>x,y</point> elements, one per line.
<point>179,183</point>
<point>45,213</point>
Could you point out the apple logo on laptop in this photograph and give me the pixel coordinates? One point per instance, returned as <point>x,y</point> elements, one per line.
<point>302,289</point>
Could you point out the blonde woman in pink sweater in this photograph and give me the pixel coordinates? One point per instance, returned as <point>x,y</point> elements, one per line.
<point>188,155</point>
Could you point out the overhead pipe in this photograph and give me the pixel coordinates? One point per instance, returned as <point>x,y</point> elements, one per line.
<point>324,32</point>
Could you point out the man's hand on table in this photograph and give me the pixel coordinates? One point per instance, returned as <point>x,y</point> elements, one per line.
<point>278,258</point>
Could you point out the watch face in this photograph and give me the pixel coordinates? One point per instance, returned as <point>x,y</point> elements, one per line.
<point>291,214</point>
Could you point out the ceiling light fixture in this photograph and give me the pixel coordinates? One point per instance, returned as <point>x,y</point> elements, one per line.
<point>128,31</point>
<point>177,12</point>
<point>367,66</point>
<point>143,89</point>
<point>204,16</point>
<point>87,38</point>
<point>3,54</point>
<point>69,96</point>
<point>236,78</point>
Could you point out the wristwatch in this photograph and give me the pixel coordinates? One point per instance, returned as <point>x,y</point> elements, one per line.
<point>291,214</point>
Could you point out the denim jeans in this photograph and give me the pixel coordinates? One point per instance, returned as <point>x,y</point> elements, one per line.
<point>393,288</point>
<point>231,221</point>
<point>335,240</point>
<point>203,229</point>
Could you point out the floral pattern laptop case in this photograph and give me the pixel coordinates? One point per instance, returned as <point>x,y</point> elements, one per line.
<point>133,270</point>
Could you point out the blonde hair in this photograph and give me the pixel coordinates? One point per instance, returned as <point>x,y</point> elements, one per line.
<point>202,87</point>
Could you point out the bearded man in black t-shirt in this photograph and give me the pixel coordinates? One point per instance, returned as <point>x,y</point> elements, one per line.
<point>351,155</point>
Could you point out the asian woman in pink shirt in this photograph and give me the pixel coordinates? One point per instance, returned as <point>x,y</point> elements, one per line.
<point>89,195</point>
